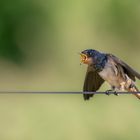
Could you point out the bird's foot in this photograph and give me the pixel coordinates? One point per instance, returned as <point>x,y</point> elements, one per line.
<point>115,93</point>
<point>108,92</point>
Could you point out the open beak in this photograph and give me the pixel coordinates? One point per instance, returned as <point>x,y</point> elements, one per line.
<point>84,58</point>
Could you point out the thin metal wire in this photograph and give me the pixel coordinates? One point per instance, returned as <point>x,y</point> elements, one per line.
<point>60,92</point>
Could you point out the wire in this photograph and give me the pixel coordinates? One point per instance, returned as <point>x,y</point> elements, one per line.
<point>60,92</point>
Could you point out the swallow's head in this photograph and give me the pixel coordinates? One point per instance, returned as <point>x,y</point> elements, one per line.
<point>87,56</point>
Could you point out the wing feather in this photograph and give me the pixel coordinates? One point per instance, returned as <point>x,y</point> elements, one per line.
<point>127,69</point>
<point>92,82</point>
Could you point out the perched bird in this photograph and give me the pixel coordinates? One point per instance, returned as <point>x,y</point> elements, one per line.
<point>107,67</point>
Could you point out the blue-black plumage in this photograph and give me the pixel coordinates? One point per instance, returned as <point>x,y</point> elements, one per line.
<point>98,59</point>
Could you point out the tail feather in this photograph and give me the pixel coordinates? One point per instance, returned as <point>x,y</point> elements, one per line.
<point>135,89</point>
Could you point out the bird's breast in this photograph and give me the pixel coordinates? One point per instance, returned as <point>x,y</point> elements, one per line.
<point>109,74</point>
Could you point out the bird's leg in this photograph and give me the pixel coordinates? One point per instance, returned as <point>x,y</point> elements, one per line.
<point>107,92</point>
<point>112,90</point>
<point>115,93</point>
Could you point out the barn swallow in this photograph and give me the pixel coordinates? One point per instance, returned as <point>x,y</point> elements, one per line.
<point>107,67</point>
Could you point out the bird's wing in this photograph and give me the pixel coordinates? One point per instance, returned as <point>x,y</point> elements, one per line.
<point>127,69</point>
<point>92,82</point>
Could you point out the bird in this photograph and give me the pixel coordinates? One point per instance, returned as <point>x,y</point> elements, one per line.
<point>107,67</point>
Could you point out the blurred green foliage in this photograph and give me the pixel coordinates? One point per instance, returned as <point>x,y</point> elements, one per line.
<point>122,18</point>
<point>39,45</point>
<point>20,21</point>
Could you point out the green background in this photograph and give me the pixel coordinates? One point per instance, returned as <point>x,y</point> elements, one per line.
<point>39,45</point>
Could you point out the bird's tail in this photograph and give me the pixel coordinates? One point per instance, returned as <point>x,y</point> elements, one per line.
<point>135,89</point>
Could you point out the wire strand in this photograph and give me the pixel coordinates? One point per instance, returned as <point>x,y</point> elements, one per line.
<point>60,92</point>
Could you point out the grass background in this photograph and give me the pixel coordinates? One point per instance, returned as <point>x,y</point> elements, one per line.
<point>68,117</point>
